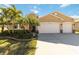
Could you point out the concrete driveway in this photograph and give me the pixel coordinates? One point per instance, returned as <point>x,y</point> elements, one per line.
<point>49,44</point>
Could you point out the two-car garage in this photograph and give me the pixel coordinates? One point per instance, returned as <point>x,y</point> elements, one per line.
<point>49,27</point>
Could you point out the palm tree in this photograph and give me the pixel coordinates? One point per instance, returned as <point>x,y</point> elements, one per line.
<point>32,21</point>
<point>22,22</point>
<point>3,17</point>
<point>14,15</point>
<point>9,15</point>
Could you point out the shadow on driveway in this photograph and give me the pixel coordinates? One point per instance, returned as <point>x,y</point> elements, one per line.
<point>69,39</point>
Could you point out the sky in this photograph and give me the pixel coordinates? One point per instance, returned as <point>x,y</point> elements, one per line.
<point>44,9</point>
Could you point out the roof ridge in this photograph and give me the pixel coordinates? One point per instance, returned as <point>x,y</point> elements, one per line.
<point>62,14</point>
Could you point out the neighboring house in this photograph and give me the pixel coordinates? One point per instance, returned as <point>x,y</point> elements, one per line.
<point>16,27</point>
<point>55,22</point>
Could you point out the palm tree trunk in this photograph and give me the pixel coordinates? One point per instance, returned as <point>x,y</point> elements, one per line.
<point>13,29</point>
<point>18,26</point>
<point>30,28</point>
<point>8,28</point>
<point>2,28</point>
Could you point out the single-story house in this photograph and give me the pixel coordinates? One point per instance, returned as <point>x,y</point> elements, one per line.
<point>55,23</point>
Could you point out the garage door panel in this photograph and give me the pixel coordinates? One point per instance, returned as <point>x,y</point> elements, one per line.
<point>67,27</point>
<point>49,27</point>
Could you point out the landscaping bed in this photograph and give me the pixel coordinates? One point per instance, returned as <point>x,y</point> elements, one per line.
<point>17,42</point>
<point>11,47</point>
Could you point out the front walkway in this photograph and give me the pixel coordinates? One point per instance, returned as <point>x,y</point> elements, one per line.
<point>49,44</point>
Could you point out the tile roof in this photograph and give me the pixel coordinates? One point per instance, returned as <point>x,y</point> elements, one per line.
<point>56,17</point>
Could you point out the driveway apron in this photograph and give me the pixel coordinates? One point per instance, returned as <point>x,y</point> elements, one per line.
<point>49,44</point>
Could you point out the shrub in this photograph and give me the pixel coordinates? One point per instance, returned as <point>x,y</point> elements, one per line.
<point>20,34</point>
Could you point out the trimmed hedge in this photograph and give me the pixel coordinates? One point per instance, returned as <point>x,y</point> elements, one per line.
<point>19,34</point>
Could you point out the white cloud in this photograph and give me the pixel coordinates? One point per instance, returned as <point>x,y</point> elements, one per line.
<point>64,5</point>
<point>74,16</point>
<point>35,11</point>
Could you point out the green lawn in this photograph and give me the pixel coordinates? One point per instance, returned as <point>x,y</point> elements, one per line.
<point>77,31</point>
<point>11,47</point>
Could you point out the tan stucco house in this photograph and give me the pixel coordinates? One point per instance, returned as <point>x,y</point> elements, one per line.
<point>55,22</point>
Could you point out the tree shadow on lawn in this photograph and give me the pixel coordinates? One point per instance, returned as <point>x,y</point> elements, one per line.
<point>69,39</point>
<point>11,47</point>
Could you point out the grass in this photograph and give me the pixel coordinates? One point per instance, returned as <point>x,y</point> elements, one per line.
<point>76,31</point>
<point>31,47</point>
<point>10,47</point>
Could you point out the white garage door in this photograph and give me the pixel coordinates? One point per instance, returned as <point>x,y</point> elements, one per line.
<point>49,27</point>
<point>67,27</point>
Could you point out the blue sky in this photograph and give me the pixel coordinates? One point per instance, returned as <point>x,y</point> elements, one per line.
<point>43,9</point>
